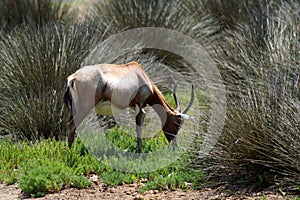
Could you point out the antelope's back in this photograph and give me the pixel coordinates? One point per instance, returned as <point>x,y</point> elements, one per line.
<point>125,85</point>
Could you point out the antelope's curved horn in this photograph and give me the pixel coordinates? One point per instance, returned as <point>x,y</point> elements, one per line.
<point>186,109</point>
<point>175,98</point>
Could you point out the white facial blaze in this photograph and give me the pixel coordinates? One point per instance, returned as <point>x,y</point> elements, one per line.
<point>184,116</point>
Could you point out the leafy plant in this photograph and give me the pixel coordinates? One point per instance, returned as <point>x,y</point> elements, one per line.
<point>46,166</point>
<point>114,178</point>
<point>177,179</point>
<point>36,180</point>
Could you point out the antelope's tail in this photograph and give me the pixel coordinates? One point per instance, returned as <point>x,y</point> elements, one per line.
<point>67,94</point>
<point>68,98</point>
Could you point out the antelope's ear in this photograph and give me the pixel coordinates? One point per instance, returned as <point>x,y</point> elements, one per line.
<point>184,116</point>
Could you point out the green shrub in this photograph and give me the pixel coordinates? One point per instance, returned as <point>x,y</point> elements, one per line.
<point>45,166</point>
<point>113,178</point>
<point>50,166</point>
<point>189,17</point>
<point>36,180</point>
<point>231,13</point>
<point>179,178</point>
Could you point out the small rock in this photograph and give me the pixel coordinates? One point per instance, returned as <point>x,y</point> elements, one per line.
<point>139,197</point>
<point>112,190</point>
<point>94,178</point>
<point>182,194</point>
<point>143,180</point>
<point>186,184</point>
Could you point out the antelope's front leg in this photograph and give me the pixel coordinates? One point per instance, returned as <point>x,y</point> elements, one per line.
<point>139,127</point>
<point>175,141</point>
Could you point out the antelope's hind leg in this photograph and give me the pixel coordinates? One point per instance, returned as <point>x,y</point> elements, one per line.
<point>71,131</point>
<point>71,125</point>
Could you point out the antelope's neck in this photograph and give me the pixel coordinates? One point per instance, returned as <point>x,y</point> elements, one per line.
<point>158,102</point>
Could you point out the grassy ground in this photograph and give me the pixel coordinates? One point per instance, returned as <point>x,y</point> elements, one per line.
<point>50,166</point>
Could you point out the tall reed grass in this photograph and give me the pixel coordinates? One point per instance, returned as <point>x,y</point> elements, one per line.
<point>34,65</point>
<point>34,12</point>
<point>261,135</point>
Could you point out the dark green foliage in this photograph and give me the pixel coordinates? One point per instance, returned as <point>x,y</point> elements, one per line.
<point>178,179</point>
<point>124,141</point>
<point>50,166</point>
<point>36,180</point>
<point>189,17</point>
<point>45,167</point>
<point>114,178</point>
<point>230,13</point>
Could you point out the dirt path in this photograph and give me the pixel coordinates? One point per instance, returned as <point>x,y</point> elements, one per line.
<point>99,190</point>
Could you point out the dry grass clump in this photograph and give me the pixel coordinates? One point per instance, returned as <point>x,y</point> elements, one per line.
<point>34,65</point>
<point>261,135</point>
<point>34,12</point>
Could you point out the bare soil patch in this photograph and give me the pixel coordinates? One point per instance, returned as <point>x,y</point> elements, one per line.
<point>99,190</point>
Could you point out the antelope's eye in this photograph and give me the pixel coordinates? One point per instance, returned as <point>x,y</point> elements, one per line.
<point>178,116</point>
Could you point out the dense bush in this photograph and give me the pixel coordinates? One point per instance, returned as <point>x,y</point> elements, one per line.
<point>189,17</point>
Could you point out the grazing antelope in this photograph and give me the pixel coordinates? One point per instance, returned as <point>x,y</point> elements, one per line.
<point>110,87</point>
